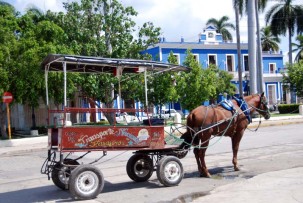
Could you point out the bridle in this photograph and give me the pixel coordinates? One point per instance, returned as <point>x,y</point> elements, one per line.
<point>264,103</point>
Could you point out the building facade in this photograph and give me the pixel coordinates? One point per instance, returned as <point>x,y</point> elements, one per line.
<point>211,49</point>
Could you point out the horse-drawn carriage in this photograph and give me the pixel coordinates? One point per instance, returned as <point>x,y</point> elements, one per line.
<point>146,137</point>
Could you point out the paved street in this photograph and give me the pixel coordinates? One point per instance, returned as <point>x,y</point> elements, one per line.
<point>266,155</point>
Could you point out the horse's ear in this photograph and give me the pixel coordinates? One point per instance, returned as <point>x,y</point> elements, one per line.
<point>262,94</point>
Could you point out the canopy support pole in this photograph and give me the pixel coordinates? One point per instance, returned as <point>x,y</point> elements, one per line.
<point>46,84</point>
<point>145,84</point>
<point>64,74</point>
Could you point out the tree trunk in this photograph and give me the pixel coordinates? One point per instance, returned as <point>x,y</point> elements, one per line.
<point>33,118</point>
<point>239,53</point>
<point>92,104</point>
<point>259,55</point>
<point>289,47</point>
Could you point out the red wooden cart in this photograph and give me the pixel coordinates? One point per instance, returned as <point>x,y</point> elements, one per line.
<point>145,136</point>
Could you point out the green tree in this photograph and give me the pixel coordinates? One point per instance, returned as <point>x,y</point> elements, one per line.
<point>132,87</point>
<point>38,37</point>
<point>294,77</point>
<point>220,82</point>
<point>148,35</point>
<point>242,6</point>
<point>268,40</point>
<point>172,59</point>
<point>91,25</point>
<point>190,86</point>
<point>8,54</point>
<point>298,47</point>
<point>161,89</point>
<point>284,17</point>
<point>222,25</point>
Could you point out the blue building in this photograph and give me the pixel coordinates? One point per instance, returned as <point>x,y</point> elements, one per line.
<point>211,49</point>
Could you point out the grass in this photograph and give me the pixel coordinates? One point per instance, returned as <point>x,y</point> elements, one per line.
<point>287,114</point>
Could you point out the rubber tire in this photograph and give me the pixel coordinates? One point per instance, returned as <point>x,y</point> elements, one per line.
<point>164,167</point>
<point>83,176</point>
<point>56,173</point>
<point>143,162</point>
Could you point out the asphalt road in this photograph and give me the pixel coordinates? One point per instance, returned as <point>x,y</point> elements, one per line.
<point>269,149</point>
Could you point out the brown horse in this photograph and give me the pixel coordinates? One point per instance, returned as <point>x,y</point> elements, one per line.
<point>206,121</point>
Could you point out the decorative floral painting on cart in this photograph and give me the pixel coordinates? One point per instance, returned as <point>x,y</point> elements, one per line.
<point>110,137</point>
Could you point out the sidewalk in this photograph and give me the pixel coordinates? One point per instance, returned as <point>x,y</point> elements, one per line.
<point>23,145</point>
<point>35,143</point>
<point>274,121</point>
<point>283,186</point>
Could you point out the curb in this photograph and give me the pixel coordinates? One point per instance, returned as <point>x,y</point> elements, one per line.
<point>24,141</point>
<point>277,121</point>
<point>35,143</point>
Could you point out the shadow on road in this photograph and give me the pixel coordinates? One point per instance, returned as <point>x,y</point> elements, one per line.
<point>52,193</point>
<point>39,194</point>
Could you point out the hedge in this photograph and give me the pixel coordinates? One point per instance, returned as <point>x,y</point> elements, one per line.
<point>288,108</point>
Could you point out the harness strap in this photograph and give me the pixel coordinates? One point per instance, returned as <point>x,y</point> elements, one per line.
<point>244,107</point>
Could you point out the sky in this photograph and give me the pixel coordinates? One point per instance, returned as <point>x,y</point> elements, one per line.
<point>177,18</point>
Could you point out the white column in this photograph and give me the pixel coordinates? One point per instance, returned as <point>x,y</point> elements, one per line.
<point>251,22</point>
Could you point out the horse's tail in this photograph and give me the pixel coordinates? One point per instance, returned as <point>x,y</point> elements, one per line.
<point>187,139</point>
<point>188,135</point>
<point>190,120</point>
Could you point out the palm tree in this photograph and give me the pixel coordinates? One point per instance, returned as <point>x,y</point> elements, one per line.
<point>222,26</point>
<point>298,48</point>
<point>285,17</point>
<point>237,8</point>
<point>36,13</point>
<point>268,40</point>
<point>241,8</point>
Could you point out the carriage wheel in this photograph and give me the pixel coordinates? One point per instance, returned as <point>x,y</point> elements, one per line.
<point>170,171</point>
<point>140,167</point>
<point>61,173</point>
<point>86,182</point>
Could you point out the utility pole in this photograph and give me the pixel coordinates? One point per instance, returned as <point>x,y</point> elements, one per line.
<point>251,22</point>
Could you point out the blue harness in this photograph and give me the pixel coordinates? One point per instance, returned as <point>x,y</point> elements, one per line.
<point>229,106</point>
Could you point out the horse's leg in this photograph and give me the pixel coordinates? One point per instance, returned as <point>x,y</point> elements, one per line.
<point>235,145</point>
<point>204,171</point>
<point>196,152</point>
<point>200,156</point>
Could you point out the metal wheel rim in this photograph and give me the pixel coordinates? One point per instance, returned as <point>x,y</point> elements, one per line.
<point>172,171</point>
<point>63,175</point>
<point>140,164</point>
<point>87,182</point>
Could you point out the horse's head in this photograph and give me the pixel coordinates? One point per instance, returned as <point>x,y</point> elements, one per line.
<point>262,107</point>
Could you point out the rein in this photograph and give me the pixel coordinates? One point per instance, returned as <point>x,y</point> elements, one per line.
<point>229,124</point>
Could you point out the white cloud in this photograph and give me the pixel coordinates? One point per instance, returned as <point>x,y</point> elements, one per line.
<point>44,5</point>
<point>177,18</point>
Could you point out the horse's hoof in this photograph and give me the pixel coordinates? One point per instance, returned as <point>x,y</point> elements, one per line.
<point>202,175</point>
<point>237,168</point>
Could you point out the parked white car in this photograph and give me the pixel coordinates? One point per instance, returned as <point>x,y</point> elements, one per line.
<point>125,117</point>
<point>168,113</point>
